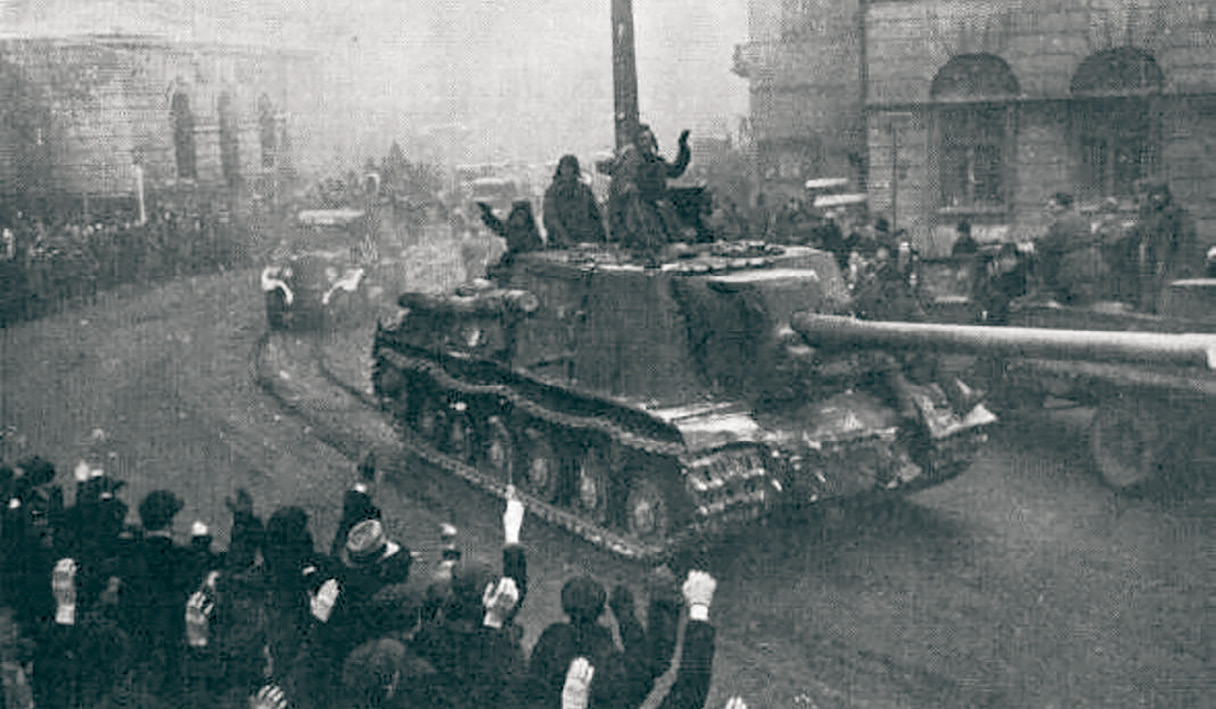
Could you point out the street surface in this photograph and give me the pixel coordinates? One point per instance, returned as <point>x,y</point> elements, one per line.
<point>1023,583</point>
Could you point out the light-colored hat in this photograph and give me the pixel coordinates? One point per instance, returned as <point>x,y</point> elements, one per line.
<point>366,541</point>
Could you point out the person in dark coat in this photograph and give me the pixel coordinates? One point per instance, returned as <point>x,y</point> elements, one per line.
<point>156,594</point>
<point>644,656</point>
<point>588,685</point>
<point>1070,264</point>
<point>225,615</point>
<point>519,230</point>
<point>965,244</point>
<point>473,644</point>
<point>571,215</point>
<point>1171,248</point>
<point>294,572</point>
<point>641,216</point>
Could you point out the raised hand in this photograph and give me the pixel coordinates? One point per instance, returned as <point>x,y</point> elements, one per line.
<point>499,600</point>
<point>268,697</point>
<point>63,585</point>
<point>576,692</point>
<point>699,594</point>
<point>321,603</point>
<point>513,517</point>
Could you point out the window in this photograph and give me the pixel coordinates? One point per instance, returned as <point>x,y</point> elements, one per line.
<point>972,156</point>
<point>1114,122</point>
<point>230,149</point>
<point>973,119</point>
<point>183,136</point>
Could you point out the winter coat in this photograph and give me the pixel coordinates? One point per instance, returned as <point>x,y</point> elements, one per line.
<point>571,215</point>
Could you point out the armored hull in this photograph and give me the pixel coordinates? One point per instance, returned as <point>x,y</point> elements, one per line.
<point>645,408</point>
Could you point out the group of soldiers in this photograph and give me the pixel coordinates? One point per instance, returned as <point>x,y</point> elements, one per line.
<point>641,214</point>
<point>1080,261</point>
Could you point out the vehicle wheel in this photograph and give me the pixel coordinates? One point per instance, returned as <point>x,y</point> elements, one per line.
<point>647,516</point>
<point>431,420</point>
<point>392,390</point>
<point>541,473</point>
<point>460,438</point>
<point>498,450</point>
<point>592,478</point>
<point>1127,442</point>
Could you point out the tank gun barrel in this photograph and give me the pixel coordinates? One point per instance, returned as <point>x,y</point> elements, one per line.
<point>1100,346</point>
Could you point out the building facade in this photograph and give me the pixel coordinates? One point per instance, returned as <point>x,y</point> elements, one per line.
<point>104,115</point>
<point>982,110</point>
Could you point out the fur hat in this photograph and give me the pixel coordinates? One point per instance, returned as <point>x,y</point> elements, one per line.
<point>157,510</point>
<point>583,599</point>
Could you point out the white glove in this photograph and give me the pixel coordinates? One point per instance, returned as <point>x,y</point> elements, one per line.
<point>268,697</point>
<point>198,612</point>
<point>699,594</point>
<point>81,471</point>
<point>736,703</point>
<point>576,692</point>
<point>63,584</point>
<point>322,602</point>
<point>513,518</point>
<point>499,601</point>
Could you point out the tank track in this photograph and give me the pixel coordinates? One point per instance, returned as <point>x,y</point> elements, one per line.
<point>621,544</point>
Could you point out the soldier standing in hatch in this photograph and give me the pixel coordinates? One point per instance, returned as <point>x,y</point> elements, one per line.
<point>641,216</point>
<point>570,212</point>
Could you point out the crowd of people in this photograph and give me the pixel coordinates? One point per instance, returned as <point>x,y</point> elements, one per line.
<point>98,612</point>
<point>47,261</point>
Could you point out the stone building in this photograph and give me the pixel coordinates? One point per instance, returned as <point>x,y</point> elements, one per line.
<point>981,110</point>
<point>152,100</point>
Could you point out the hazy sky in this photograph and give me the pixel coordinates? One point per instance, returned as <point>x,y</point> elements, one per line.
<point>524,79</point>
<point>533,79</point>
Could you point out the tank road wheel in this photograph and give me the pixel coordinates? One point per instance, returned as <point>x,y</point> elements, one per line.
<point>1127,441</point>
<point>541,473</point>
<point>460,437</point>
<point>646,511</point>
<point>499,451</point>
<point>431,419</point>
<point>393,390</point>
<point>592,478</point>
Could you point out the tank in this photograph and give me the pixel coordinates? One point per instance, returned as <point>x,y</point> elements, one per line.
<point>644,408</point>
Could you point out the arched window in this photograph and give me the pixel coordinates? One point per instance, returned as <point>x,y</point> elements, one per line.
<point>1114,120</point>
<point>183,136</point>
<point>267,131</point>
<point>230,148</point>
<point>974,115</point>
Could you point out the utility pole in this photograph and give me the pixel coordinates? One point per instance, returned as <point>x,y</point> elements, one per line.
<point>624,73</point>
